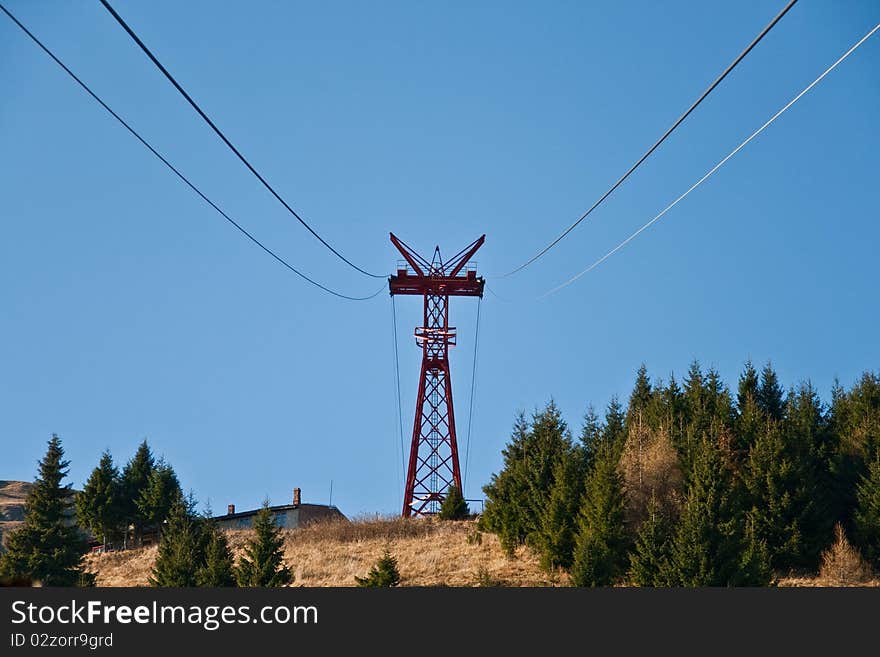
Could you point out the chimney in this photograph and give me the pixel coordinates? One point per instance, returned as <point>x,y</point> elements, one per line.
<point>230,509</point>
<point>296,496</point>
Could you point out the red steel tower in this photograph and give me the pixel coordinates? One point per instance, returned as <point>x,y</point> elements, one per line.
<point>433,455</point>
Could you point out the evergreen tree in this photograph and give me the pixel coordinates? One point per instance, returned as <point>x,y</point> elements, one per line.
<point>750,418</point>
<point>719,404</point>
<point>181,548</point>
<point>383,574</point>
<point>649,560</point>
<point>263,560</point>
<point>601,544</point>
<point>672,408</point>
<point>640,398</point>
<point>454,506</point>
<point>770,397</point>
<point>517,497</point>
<point>807,432</point>
<point>159,496</point>
<point>614,433</point>
<point>218,569</point>
<point>135,478</point>
<point>48,548</point>
<point>696,414</point>
<point>99,505</point>
<point>754,566</point>
<point>705,550</point>
<point>778,498</point>
<point>591,434</point>
<point>867,514</point>
<point>854,423</point>
<point>556,536</point>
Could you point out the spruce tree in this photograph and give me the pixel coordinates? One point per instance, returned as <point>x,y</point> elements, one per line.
<point>181,548</point>
<point>770,396</point>
<point>649,560</point>
<point>867,514</point>
<point>218,568</point>
<point>135,478</point>
<point>263,561</point>
<point>601,542</point>
<point>614,432</point>
<point>516,498</point>
<point>555,539</point>
<point>48,548</point>
<point>383,574</point>
<point>778,499</point>
<point>807,432</point>
<point>160,494</point>
<point>705,550</point>
<point>591,434</point>
<point>750,418</point>
<point>454,506</point>
<point>754,565</point>
<point>99,505</point>
<point>640,398</point>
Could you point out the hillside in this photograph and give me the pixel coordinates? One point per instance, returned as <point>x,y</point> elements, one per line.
<point>12,497</point>
<point>429,553</point>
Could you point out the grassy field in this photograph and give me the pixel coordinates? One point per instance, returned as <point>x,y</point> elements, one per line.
<point>429,553</point>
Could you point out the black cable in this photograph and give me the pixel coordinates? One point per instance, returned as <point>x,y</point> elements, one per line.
<point>179,175</point>
<point>658,142</point>
<point>241,157</point>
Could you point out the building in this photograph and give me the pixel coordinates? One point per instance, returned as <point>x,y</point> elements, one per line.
<point>287,516</point>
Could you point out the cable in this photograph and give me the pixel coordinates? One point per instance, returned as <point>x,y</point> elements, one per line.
<point>180,175</point>
<point>656,143</point>
<point>241,157</point>
<point>397,375</point>
<point>713,169</point>
<point>467,453</point>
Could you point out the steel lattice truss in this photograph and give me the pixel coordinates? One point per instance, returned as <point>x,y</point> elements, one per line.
<point>433,459</point>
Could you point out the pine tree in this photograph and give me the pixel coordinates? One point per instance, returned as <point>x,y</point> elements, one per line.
<point>812,444</point>
<point>99,505</point>
<point>454,506</point>
<point>135,478</point>
<point>263,560</point>
<point>591,434</point>
<point>867,514</point>
<point>649,560</point>
<point>750,418</point>
<point>555,538</point>
<point>754,566</point>
<point>48,548</point>
<point>218,569</point>
<point>640,398</point>
<point>778,499</point>
<point>516,498</point>
<point>614,433</point>
<point>159,496</point>
<point>770,397</point>
<point>705,549</point>
<point>181,548</point>
<point>383,574</point>
<point>855,425</point>
<point>601,543</point>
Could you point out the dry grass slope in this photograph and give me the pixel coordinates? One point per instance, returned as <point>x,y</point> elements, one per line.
<point>429,553</point>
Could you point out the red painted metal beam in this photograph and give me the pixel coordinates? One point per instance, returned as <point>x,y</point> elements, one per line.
<point>433,457</point>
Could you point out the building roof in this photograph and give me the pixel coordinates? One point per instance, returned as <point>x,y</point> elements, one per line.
<point>279,509</point>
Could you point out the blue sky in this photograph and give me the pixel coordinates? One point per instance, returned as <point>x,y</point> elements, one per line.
<point>132,310</point>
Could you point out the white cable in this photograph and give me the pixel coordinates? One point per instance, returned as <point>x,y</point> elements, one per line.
<point>712,170</point>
